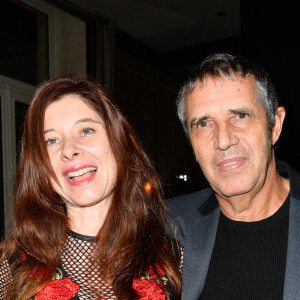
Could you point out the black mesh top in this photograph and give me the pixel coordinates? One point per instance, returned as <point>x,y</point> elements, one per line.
<point>77,269</point>
<point>77,263</point>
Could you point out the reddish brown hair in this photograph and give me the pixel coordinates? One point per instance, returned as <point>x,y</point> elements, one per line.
<point>134,234</point>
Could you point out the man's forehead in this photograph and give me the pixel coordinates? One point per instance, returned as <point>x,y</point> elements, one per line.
<point>222,86</point>
<point>223,94</point>
<point>223,80</point>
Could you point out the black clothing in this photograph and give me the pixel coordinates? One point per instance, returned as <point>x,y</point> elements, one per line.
<point>248,259</point>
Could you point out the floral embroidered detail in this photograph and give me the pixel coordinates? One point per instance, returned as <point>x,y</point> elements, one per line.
<point>23,255</point>
<point>159,270</point>
<point>58,289</point>
<point>41,271</point>
<point>58,275</point>
<point>148,289</point>
<point>149,286</point>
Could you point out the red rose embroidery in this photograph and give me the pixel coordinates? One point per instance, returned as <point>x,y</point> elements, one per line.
<point>23,255</point>
<point>58,289</point>
<point>158,269</point>
<point>148,289</point>
<point>40,272</point>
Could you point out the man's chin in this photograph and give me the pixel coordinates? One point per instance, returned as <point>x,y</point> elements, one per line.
<point>231,191</point>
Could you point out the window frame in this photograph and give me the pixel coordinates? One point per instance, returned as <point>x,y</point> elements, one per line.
<point>11,91</point>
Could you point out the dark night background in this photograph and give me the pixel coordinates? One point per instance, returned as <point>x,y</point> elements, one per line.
<point>269,36</point>
<point>146,81</point>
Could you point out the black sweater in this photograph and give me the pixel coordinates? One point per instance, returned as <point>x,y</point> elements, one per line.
<point>249,258</point>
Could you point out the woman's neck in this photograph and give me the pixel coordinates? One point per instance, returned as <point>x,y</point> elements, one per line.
<point>88,220</point>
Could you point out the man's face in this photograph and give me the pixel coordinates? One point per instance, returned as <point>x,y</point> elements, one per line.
<point>228,129</point>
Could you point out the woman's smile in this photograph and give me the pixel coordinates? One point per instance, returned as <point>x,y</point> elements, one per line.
<point>80,174</point>
<point>80,152</point>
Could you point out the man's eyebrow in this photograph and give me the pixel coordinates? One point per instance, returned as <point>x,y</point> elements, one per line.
<point>85,120</point>
<point>240,110</point>
<point>243,110</point>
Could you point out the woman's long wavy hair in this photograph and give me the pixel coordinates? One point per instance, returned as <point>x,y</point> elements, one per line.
<point>134,235</point>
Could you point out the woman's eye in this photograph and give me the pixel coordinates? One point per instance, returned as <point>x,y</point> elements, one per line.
<point>51,141</point>
<point>87,131</point>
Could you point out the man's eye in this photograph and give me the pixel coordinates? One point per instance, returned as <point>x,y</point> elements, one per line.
<point>51,141</point>
<point>87,131</point>
<point>202,124</point>
<point>242,115</point>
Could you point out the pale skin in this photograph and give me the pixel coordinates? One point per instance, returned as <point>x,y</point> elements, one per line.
<point>87,220</point>
<point>228,131</point>
<point>77,142</point>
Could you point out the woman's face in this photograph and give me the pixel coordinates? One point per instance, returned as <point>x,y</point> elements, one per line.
<point>80,153</point>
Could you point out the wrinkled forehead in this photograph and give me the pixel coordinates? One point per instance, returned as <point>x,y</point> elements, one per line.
<point>217,93</point>
<point>222,83</point>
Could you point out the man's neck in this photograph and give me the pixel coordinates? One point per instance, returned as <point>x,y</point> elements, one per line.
<point>258,204</point>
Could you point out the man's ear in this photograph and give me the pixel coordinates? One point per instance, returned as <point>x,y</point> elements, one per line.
<point>278,123</point>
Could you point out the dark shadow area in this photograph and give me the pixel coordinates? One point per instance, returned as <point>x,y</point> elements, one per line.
<point>147,83</point>
<point>1,181</point>
<point>20,112</point>
<point>24,42</point>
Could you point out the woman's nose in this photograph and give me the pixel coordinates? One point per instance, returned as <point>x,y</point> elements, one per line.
<point>70,150</point>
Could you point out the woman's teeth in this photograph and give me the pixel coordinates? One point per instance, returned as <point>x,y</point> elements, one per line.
<point>80,172</point>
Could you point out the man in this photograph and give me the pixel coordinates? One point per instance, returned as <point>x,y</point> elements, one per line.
<point>241,237</point>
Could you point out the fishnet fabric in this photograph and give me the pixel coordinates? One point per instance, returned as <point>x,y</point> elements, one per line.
<point>5,277</point>
<point>77,262</point>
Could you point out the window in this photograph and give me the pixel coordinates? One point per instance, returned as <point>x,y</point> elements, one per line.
<point>1,180</point>
<point>24,42</point>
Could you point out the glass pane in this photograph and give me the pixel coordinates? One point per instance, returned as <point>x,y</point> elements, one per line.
<point>1,181</point>
<point>24,42</point>
<point>20,112</point>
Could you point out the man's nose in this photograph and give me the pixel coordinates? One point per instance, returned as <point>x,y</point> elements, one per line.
<point>225,137</point>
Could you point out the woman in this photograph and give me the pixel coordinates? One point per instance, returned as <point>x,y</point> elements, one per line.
<point>89,218</point>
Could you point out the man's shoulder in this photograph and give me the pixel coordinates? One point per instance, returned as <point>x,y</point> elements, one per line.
<point>286,171</point>
<point>188,202</point>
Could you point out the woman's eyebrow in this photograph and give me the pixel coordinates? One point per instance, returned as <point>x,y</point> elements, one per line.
<point>85,120</point>
<point>48,130</point>
<point>88,120</point>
